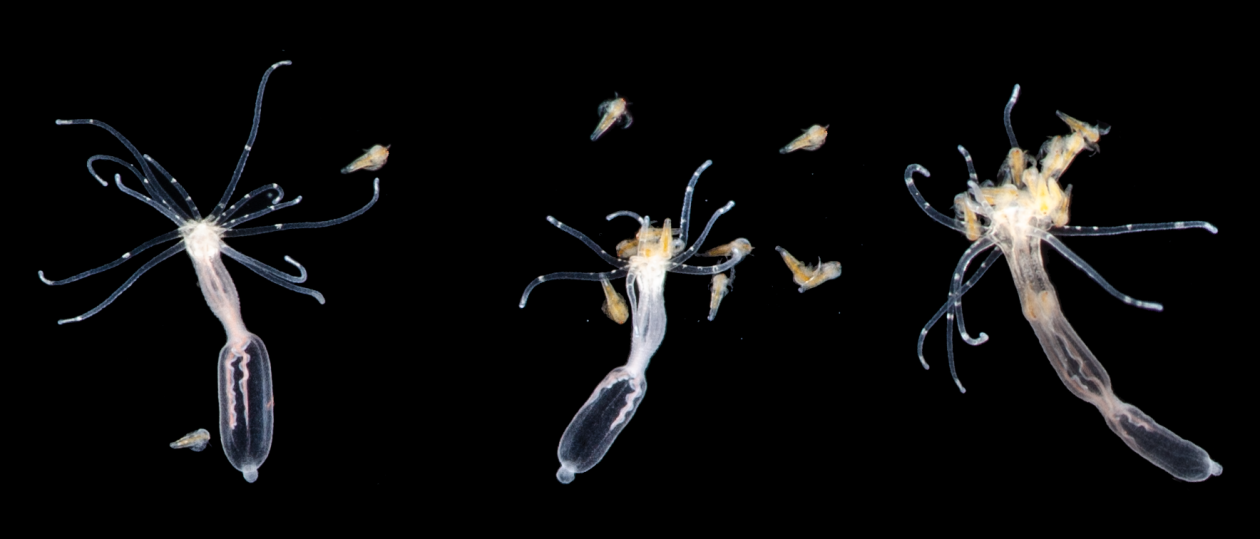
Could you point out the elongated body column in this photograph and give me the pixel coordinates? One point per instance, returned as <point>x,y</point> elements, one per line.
<point>1086,378</point>
<point>244,369</point>
<point>615,399</point>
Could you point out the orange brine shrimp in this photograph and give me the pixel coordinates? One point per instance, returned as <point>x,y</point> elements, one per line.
<point>808,276</point>
<point>614,304</point>
<point>373,159</point>
<point>721,283</point>
<point>612,111</point>
<point>196,440</point>
<point>812,139</point>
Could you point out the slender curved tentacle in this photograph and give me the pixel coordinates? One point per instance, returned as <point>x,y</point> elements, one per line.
<point>588,241</point>
<point>125,257</point>
<point>1093,274</point>
<point>955,285</point>
<point>572,276</point>
<point>927,208</point>
<point>975,277</point>
<point>249,144</point>
<point>691,251</point>
<point>162,208</point>
<point>154,189</point>
<point>275,205</point>
<point>250,196</point>
<point>624,213</point>
<point>1125,229</point>
<point>274,275</point>
<point>254,231</point>
<point>179,188</point>
<point>706,270</point>
<point>171,251</point>
<point>685,222</point>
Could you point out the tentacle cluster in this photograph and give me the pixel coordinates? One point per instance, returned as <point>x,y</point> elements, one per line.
<point>1027,200</point>
<point>186,216</point>
<point>662,242</point>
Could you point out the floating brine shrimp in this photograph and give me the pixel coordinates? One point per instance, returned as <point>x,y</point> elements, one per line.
<point>812,139</point>
<point>808,276</point>
<point>246,402</point>
<point>717,290</point>
<point>614,304</point>
<point>374,159</point>
<point>643,262</point>
<point>610,112</point>
<point>721,284</point>
<point>1025,209</point>
<point>740,247</point>
<point>196,440</point>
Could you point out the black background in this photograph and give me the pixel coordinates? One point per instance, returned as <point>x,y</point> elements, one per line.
<point>421,371</point>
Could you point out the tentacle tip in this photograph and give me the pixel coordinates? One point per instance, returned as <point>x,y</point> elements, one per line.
<point>924,363</point>
<point>984,337</point>
<point>318,297</point>
<point>961,389</point>
<point>1215,468</point>
<point>522,305</point>
<point>1210,227</point>
<point>281,63</point>
<point>42,278</point>
<point>376,185</point>
<point>100,181</point>
<point>63,122</point>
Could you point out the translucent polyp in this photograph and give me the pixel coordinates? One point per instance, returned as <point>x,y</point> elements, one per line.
<point>245,404</point>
